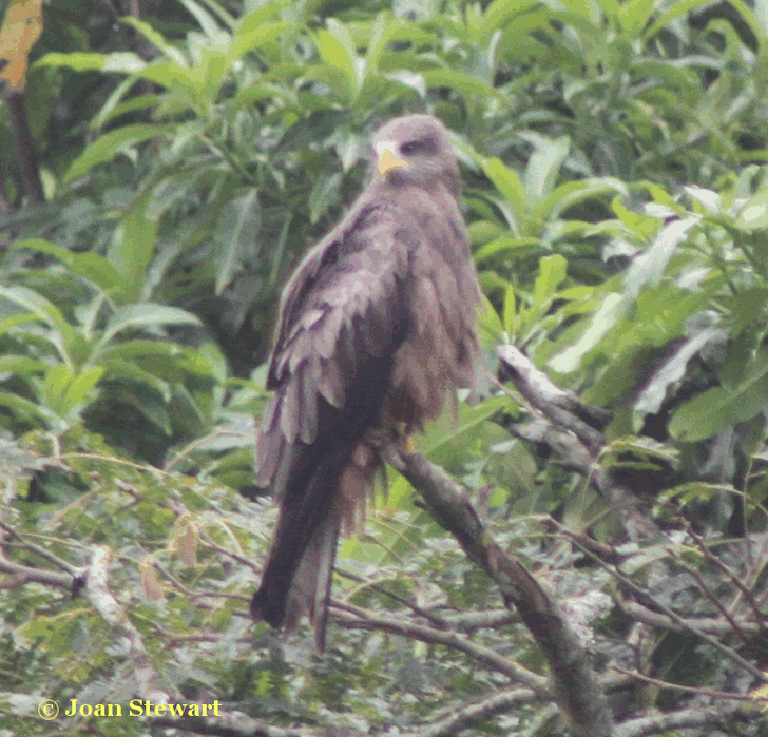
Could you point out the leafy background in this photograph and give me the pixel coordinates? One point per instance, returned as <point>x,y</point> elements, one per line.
<point>185,154</point>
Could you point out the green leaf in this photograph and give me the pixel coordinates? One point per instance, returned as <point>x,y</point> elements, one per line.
<point>224,16</point>
<point>116,107</point>
<point>635,14</point>
<point>384,28</point>
<point>324,194</point>
<point>186,414</point>
<point>552,272</point>
<point>65,391</point>
<point>248,38</point>
<point>648,268</point>
<point>718,408</point>
<point>133,246</point>
<point>147,401</point>
<point>92,266</point>
<point>235,236</point>
<point>55,385</point>
<point>501,12</point>
<point>156,39</point>
<point>81,387</point>
<point>47,312</point>
<point>508,182</point>
<point>207,23</point>
<point>445,430</point>
<point>144,316</point>
<point>683,7</point>
<point>124,370</point>
<point>572,193</point>
<point>259,16</point>
<point>97,269</point>
<point>544,166</point>
<point>491,326</point>
<point>754,214</point>
<point>336,49</point>
<point>506,245</point>
<point>126,62</point>
<point>106,147</point>
<point>178,79</point>
<point>602,321</point>
<point>467,85</point>
<point>138,348</point>
<point>509,316</point>
<point>30,411</point>
<point>21,365</point>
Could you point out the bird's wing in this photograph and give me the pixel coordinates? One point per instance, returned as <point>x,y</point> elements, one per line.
<point>344,315</point>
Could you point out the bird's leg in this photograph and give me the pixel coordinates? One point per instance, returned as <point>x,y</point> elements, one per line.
<point>405,440</point>
<point>393,436</point>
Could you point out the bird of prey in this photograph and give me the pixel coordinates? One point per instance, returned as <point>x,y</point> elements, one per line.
<point>377,325</point>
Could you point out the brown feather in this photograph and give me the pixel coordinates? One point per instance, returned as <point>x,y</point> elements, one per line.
<point>376,328</point>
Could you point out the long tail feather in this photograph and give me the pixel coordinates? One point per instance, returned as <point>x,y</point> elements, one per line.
<point>297,577</point>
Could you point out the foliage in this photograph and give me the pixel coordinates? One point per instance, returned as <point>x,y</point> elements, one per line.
<point>615,190</point>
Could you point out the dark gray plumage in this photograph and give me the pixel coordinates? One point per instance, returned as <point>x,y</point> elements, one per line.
<point>376,326</point>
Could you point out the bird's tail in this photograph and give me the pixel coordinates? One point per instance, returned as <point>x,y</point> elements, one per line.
<point>297,577</point>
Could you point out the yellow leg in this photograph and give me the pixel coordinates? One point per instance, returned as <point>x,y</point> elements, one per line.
<point>408,443</point>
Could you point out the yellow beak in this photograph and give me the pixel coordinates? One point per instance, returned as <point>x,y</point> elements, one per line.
<point>388,161</point>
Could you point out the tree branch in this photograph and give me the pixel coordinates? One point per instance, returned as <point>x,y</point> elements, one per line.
<point>465,716</point>
<point>577,691</point>
<point>356,617</point>
<point>25,148</point>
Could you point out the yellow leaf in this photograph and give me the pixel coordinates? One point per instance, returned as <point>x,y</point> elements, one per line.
<point>22,27</point>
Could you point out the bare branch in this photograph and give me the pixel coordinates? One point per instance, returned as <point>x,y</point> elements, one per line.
<point>358,618</point>
<point>660,723</point>
<point>710,625</point>
<point>97,591</point>
<point>465,716</point>
<point>575,683</point>
<point>73,570</point>
<point>25,148</point>
<point>21,574</point>
<point>238,724</point>
<point>560,406</point>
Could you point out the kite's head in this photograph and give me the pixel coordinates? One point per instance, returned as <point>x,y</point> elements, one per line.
<point>415,149</point>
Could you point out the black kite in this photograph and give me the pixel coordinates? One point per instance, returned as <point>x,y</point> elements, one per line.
<point>377,326</point>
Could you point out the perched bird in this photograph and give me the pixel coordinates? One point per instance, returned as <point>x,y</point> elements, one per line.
<point>376,326</point>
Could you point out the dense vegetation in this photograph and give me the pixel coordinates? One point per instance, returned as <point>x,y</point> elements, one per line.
<point>163,165</point>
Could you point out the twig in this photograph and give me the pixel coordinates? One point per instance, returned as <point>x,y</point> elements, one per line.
<point>72,570</point>
<point>662,723</point>
<point>358,618</point>
<point>679,687</point>
<point>435,620</point>
<point>710,595</point>
<point>686,624</point>
<point>735,580</point>
<point>465,716</point>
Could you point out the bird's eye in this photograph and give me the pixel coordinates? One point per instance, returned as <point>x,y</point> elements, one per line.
<point>411,147</point>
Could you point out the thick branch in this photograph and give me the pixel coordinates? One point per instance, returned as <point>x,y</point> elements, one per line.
<point>558,405</point>
<point>97,591</point>
<point>575,683</point>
